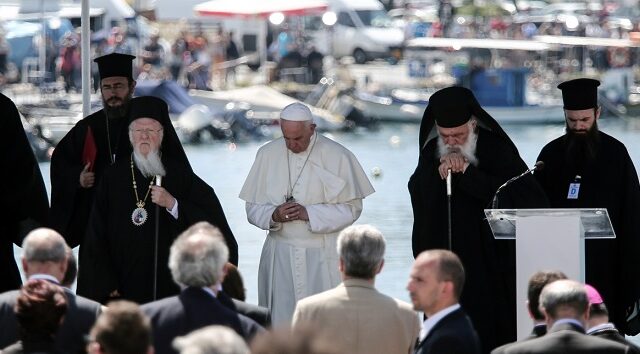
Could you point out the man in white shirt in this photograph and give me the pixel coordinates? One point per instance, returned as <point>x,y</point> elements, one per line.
<point>303,188</point>
<point>435,285</point>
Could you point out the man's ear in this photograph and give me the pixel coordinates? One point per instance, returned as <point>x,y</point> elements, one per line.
<point>63,267</point>
<point>587,313</point>
<point>380,266</point>
<point>529,310</point>
<point>547,318</point>
<point>225,270</point>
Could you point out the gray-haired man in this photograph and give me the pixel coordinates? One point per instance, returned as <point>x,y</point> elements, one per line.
<point>566,309</point>
<point>356,317</point>
<point>196,259</point>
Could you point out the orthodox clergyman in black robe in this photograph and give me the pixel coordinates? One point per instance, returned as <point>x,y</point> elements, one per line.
<point>481,158</point>
<point>23,193</point>
<point>119,257</point>
<point>93,144</point>
<point>586,168</point>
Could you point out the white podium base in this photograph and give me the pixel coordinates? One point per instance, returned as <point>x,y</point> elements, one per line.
<point>545,243</point>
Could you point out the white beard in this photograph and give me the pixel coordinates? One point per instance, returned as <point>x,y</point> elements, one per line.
<point>151,165</point>
<point>468,149</point>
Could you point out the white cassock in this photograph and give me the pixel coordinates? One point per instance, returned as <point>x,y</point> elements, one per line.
<point>299,258</point>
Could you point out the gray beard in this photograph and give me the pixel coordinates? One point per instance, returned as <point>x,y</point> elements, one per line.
<point>468,149</point>
<point>151,165</point>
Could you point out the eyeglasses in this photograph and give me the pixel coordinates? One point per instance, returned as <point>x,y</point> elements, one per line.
<point>149,132</point>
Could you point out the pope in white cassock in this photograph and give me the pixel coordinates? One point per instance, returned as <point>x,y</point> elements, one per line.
<point>303,188</point>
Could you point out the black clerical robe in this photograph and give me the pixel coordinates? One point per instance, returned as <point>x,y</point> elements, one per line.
<point>70,203</point>
<point>118,255</point>
<point>24,197</point>
<point>609,181</point>
<point>489,292</point>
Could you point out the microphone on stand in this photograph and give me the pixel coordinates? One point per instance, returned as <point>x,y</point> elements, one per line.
<point>538,166</point>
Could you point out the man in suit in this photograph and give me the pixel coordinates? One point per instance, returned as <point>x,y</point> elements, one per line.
<point>260,314</point>
<point>233,296</point>
<point>357,317</point>
<point>566,309</point>
<point>598,323</point>
<point>40,307</point>
<point>435,285</point>
<point>196,260</point>
<point>44,257</point>
<point>537,282</point>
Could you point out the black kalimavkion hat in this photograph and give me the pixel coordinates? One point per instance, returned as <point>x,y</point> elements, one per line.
<point>580,94</point>
<point>452,106</point>
<point>115,64</point>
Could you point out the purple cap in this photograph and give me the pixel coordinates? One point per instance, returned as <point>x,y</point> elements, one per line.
<point>593,295</point>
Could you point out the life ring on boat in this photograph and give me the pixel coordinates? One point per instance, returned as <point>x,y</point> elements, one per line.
<point>618,57</point>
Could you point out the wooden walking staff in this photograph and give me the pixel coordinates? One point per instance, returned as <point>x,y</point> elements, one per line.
<point>155,247</point>
<point>449,205</point>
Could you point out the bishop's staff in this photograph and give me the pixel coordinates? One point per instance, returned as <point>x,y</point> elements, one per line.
<point>449,205</point>
<point>155,247</point>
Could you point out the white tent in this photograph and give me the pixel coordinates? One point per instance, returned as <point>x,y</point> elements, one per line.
<point>259,9</point>
<point>168,10</point>
<point>114,9</point>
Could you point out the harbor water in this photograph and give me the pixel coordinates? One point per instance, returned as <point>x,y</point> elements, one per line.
<point>389,155</point>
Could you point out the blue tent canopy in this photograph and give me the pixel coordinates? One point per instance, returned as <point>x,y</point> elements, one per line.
<point>176,97</point>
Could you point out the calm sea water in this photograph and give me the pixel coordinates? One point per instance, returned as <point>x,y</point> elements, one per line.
<point>394,150</point>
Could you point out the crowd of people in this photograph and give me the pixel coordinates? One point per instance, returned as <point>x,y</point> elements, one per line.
<point>157,257</point>
<point>196,58</point>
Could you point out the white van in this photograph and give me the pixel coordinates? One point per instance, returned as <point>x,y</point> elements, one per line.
<point>363,30</point>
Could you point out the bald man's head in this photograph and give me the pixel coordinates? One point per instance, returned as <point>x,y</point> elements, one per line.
<point>44,251</point>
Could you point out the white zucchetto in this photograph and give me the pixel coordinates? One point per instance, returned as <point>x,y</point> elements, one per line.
<point>296,112</point>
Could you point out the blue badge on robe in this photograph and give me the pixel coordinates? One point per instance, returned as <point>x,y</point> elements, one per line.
<point>574,190</point>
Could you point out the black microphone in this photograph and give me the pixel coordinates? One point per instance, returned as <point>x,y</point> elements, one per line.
<point>538,166</point>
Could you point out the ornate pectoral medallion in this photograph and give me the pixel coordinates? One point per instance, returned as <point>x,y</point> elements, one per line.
<point>139,215</point>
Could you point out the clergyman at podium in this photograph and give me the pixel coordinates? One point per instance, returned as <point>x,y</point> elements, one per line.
<point>457,134</point>
<point>586,168</point>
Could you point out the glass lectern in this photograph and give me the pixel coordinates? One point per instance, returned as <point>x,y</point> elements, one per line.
<point>547,239</point>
